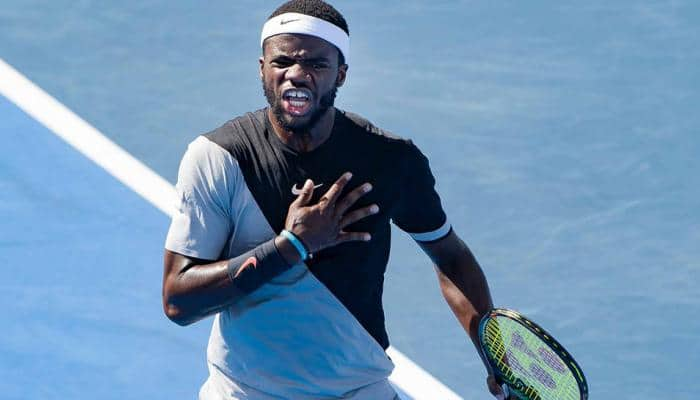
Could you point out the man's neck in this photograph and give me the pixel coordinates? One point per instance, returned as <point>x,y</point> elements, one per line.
<point>308,140</point>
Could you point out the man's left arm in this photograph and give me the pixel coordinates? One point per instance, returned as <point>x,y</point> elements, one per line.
<point>419,212</point>
<point>464,287</point>
<point>462,281</point>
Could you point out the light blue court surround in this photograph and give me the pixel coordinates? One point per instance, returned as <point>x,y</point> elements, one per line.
<point>80,291</point>
<point>563,137</point>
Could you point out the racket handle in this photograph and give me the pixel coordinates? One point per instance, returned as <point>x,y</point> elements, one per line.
<point>506,391</point>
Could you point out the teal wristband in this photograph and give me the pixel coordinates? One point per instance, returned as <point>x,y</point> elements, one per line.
<point>305,254</point>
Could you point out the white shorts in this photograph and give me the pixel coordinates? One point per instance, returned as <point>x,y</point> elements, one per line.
<point>219,386</point>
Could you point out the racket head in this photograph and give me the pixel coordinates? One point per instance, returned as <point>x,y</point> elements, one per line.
<point>528,359</point>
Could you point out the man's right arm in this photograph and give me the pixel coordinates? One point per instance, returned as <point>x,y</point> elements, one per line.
<point>195,288</point>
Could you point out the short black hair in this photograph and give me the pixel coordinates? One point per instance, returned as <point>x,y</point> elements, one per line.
<point>319,9</point>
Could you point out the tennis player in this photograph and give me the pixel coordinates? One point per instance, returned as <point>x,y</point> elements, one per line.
<point>282,230</point>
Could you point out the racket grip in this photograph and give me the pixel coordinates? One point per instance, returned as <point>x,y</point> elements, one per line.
<point>506,391</point>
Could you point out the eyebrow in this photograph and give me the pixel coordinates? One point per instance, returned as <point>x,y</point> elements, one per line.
<point>306,60</point>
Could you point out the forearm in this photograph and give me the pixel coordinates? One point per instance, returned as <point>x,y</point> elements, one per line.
<point>194,289</point>
<point>462,282</point>
<point>466,290</point>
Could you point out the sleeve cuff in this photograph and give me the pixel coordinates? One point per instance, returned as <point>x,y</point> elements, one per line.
<point>438,233</point>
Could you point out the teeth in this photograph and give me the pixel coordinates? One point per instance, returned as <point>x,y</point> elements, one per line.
<point>296,94</point>
<point>297,103</point>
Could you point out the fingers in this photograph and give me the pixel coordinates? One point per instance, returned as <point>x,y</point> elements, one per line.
<point>495,388</point>
<point>357,215</point>
<point>332,194</point>
<point>307,191</point>
<point>353,217</point>
<point>325,222</point>
<point>353,237</point>
<point>350,199</point>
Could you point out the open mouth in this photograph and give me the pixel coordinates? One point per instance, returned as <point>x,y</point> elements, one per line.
<point>296,102</point>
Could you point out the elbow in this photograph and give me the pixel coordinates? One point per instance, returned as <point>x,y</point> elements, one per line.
<point>175,304</point>
<point>175,313</point>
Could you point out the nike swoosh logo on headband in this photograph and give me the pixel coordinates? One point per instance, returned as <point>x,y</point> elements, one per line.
<point>296,191</point>
<point>286,21</point>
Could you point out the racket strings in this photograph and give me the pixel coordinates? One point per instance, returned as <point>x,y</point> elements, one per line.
<point>522,356</point>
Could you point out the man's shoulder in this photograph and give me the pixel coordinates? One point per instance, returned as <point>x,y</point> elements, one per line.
<point>370,136</point>
<point>362,124</point>
<point>238,131</point>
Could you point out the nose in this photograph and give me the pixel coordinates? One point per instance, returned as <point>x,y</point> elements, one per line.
<point>297,73</point>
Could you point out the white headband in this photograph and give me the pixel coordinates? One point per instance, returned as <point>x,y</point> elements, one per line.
<point>307,25</point>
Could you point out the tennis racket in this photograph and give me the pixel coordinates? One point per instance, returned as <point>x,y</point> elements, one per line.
<point>529,362</point>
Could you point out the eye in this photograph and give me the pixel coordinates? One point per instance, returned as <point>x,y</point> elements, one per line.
<point>280,63</point>
<point>320,65</point>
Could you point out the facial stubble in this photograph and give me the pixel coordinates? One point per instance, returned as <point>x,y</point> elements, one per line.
<point>327,100</point>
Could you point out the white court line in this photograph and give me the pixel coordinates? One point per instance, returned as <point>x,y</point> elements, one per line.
<point>86,139</point>
<point>407,376</point>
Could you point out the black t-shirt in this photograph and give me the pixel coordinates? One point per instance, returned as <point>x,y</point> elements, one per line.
<point>403,188</point>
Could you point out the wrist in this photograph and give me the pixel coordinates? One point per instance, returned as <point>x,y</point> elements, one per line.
<point>254,268</point>
<point>298,244</point>
<point>287,250</point>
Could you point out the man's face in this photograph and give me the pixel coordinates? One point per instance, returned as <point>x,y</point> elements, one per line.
<point>300,76</point>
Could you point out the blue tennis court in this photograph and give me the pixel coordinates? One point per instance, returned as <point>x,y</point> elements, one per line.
<point>563,138</point>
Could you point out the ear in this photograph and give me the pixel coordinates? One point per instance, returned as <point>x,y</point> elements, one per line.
<point>261,60</point>
<point>342,74</point>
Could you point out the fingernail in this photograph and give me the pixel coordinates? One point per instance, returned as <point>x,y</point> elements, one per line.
<point>367,187</point>
<point>348,175</point>
<point>367,237</point>
<point>374,209</point>
<point>308,183</point>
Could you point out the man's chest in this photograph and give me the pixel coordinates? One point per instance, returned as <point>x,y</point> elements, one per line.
<point>276,193</point>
